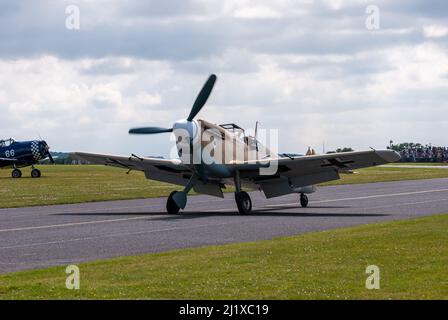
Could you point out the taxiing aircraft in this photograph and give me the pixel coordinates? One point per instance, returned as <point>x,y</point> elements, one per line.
<point>18,154</point>
<point>212,157</point>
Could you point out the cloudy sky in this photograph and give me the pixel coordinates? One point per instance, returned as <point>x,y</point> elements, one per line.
<point>316,70</point>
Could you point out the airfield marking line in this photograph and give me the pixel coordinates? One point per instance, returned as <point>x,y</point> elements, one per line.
<point>405,204</point>
<point>119,235</point>
<point>72,224</point>
<point>366,197</point>
<point>295,205</point>
<point>80,210</point>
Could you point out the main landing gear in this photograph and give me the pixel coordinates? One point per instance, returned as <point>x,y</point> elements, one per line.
<point>171,206</point>
<point>35,173</point>
<point>242,198</point>
<point>303,200</point>
<point>243,202</point>
<point>16,174</point>
<point>178,199</point>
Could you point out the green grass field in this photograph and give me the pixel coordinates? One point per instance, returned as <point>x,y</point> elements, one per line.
<point>412,256</point>
<point>382,174</point>
<point>436,164</point>
<point>74,184</point>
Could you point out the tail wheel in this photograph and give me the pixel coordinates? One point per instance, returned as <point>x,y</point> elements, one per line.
<point>35,173</point>
<point>243,202</point>
<point>16,174</point>
<point>171,206</point>
<point>303,200</point>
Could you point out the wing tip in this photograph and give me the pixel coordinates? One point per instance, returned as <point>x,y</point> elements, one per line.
<point>388,155</point>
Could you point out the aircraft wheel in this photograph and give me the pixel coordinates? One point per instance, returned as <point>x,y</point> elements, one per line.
<point>16,173</point>
<point>303,200</point>
<point>35,173</point>
<point>171,206</point>
<point>243,202</point>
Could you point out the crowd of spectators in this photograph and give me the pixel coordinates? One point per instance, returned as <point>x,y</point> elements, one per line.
<point>411,152</point>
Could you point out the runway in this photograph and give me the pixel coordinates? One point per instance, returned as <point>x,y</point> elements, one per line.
<point>39,237</point>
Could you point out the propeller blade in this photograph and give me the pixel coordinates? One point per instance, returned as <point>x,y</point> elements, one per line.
<point>150,130</point>
<point>202,97</point>
<point>47,148</point>
<point>50,157</point>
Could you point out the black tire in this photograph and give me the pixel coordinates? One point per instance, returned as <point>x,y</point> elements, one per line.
<point>303,200</point>
<point>16,174</point>
<point>243,202</point>
<point>35,173</point>
<point>171,206</point>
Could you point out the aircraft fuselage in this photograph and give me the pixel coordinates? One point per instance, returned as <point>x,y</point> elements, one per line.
<point>21,154</point>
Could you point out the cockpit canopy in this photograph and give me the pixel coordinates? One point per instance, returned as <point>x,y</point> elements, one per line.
<point>6,142</point>
<point>232,127</point>
<point>250,141</point>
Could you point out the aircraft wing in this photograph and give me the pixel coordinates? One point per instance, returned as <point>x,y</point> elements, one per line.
<point>8,159</point>
<point>296,172</point>
<point>165,170</point>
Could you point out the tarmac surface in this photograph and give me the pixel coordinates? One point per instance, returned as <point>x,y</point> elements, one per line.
<point>38,237</point>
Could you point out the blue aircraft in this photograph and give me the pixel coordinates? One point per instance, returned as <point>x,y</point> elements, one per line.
<point>18,154</point>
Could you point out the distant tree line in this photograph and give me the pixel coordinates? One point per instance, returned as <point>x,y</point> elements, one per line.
<point>63,158</point>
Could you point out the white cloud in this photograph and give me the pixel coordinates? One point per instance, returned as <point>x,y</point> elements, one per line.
<point>147,99</point>
<point>435,31</point>
<point>257,12</point>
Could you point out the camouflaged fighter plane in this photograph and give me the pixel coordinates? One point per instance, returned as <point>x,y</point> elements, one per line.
<point>196,169</point>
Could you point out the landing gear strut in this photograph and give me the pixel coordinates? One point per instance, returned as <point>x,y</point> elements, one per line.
<point>178,199</point>
<point>303,200</point>
<point>16,173</point>
<point>242,198</point>
<point>35,173</point>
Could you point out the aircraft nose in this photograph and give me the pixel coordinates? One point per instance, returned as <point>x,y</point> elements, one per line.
<point>45,145</point>
<point>42,148</point>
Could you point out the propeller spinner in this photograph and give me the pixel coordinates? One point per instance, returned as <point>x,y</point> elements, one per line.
<point>195,109</point>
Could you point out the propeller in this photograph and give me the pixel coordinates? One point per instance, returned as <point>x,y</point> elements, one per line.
<point>150,130</point>
<point>50,157</point>
<point>200,101</point>
<point>47,151</point>
<point>202,97</point>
